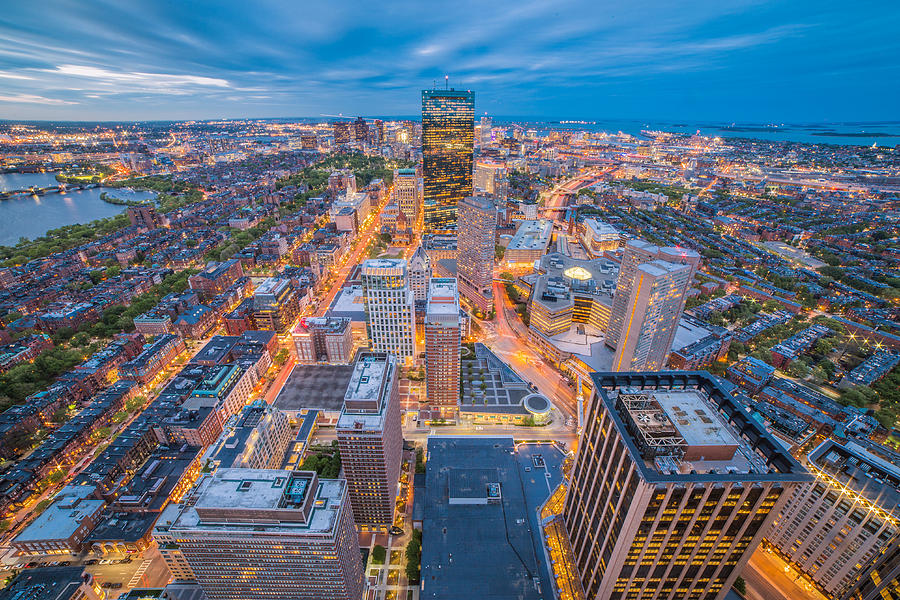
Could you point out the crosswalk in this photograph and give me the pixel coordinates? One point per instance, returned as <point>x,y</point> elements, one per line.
<point>136,578</point>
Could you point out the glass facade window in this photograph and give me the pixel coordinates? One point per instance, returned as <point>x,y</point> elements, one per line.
<point>448,137</point>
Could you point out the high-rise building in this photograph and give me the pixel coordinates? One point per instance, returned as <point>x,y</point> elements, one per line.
<point>488,176</point>
<point>833,529</point>
<point>672,488</point>
<point>341,132</point>
<point>323,339</point>
<point>265,533</point>
<point>419,273</point>
<point>309,142</point>
<point>408,193</point>
<point>637,253</point>
<point>442,339</point>
<point>880,580</point>
<point>651,316</point>
<point>485,130</point>
<point>378,127</point>
<point>370,439</point>
<point>390,307</point>
<point>475,261</point>
<point>448,132</point>
<point>275,305</point>
<point>361,130</point>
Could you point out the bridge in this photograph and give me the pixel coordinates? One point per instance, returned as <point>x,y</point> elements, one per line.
<point>62,188</point>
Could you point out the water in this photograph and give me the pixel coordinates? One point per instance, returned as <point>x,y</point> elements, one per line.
<point>885,133</point>
<point>33,216</point>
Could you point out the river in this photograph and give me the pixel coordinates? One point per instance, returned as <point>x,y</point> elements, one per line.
<point>33,216</point>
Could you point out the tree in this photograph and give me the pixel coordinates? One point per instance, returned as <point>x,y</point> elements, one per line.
<point>499,251</point>
<point>281,357</point>
<point>414,556</point>
<point>740,586</point>
<point>379,553</point>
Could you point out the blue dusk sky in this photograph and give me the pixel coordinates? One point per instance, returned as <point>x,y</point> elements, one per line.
<point>724,60</point>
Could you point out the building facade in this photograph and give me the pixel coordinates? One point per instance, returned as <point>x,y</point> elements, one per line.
<point>265,533</point>
<point>831,530</point>
<point>390,307</point>
<point>323,339</point>
<point>408,193</point>
<point>370,439</point>
<point>448,138</point>
<point>442,340</point>
<point>419,273</point>
<point>672,488</point>
<point>651,316</point>
<point>475,258</point>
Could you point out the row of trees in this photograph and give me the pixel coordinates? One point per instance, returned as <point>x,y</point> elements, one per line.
<point>326,461</point>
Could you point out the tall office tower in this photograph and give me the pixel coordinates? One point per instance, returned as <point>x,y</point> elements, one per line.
<point>370,439</point>
<point>309,142</point>
<point>419,274</point>
<point>361,130</point>
<point>275,305</point>
<point>833,530</point>
<point>475,261</point>
<point>391,307</point>
<point>378,127</point>
<point>265,533</point>
<point>442,339</point>
<point>636,253</point>
<point>651,316</point>
<point>881,578</point>
<point>341,132</point>
<point>485,130</point>
<point>448,134</point>
<point>673,487</point>
<point>408,193</point>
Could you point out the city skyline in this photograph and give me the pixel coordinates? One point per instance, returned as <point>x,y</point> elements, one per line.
<point>746,62</point>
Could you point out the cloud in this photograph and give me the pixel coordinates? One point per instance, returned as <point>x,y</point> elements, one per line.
<point>165,83</point>
<point>32,99</point>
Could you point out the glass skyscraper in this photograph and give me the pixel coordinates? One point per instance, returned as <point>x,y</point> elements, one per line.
<point>448,137</point>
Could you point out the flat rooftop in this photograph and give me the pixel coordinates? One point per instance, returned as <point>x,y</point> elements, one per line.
<point>532,235</point>
<point>443,296</point>
<point>319,387</point>
<point>350,302</point>
<point>46,583</point>
<point>276,493</point>
<point>684,426</point>
<point>479,549</point>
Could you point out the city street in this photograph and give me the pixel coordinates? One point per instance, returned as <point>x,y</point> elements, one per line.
<point>767,579</point>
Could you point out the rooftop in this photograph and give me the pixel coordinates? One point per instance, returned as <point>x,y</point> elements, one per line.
<point>477,526</point>
<point>320,387</point>
<point>532,235</point>
<point>46,583</point>
<point>684,426</point>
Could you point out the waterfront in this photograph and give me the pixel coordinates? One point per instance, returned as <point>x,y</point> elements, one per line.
<point>32,216</point>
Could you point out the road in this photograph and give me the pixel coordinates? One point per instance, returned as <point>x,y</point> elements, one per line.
<point>507,336</point>
<point>767,580</point>
<point>350,260</point>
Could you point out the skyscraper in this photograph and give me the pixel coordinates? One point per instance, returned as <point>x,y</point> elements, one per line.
<point>371,440</point>
<point>672,488</point>
<point>637,252</point>
<point>408,193</point>
<point>378,127</point>
<point>475,261</point>
<point>390,307</point>
<point>835,528</point>
<point>442,339</point>
<point>265,533</point>
<point>629,314</point>
<point>651,316</point>
<point>448,133</point>
<point>341,132</point>
<point>361,130</point>
<point>485,130</point>
<point>419,274</point>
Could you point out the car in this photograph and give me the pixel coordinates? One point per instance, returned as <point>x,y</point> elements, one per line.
<point>396,530</point>
<point>527,469</point>
<point>92,561</point>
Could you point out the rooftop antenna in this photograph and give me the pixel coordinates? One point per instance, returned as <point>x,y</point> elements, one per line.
<point>446,82</point>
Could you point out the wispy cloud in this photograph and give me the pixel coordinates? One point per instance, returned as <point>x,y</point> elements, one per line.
<point>32,99</point>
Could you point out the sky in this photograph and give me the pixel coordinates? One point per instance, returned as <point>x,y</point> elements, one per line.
<point>724,60</point>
